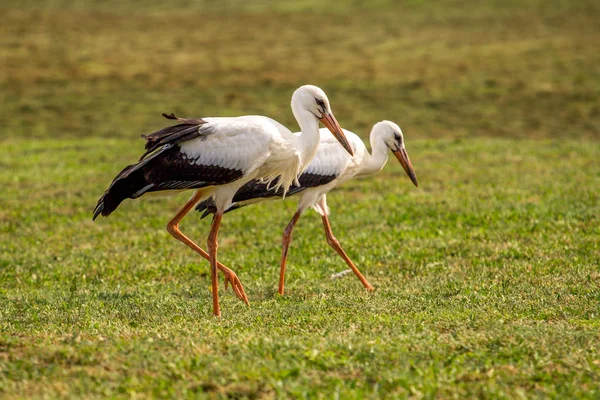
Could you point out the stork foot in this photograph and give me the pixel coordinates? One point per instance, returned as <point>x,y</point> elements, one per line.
<point>236,284</point>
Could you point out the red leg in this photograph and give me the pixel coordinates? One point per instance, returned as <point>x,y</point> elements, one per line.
<point>333,242</point>
<point>173,229</point>
<point>287,238</point>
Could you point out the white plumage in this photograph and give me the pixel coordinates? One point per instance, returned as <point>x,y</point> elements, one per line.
<point>217,156</point>
<point>331,167</point>
<point>385,136</point>
<point>241,143</point>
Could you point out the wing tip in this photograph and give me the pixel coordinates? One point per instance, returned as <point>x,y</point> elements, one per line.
<point>169,116</point>
<point>98,210</point>
<point>206,213</point>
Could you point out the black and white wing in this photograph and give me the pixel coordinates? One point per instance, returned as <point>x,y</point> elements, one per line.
<point>191,155</point>
<point>328,164</point>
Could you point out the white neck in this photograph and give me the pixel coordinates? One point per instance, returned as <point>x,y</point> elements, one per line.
<point>375,161</point>
<point>307,141</point>
<point>287,165</point>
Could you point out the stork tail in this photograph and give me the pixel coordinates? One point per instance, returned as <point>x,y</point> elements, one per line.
<point>129,183</point>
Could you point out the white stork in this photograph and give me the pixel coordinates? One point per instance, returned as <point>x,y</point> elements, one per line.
<point>330,168</point>
<point>217,156</point>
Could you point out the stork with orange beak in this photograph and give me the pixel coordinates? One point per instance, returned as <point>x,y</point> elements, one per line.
<point>215,157</point>
<point>330,168</point>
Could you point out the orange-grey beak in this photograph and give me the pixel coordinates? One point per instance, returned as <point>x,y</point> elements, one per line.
<point>402,156</point>
<point>331,123</point>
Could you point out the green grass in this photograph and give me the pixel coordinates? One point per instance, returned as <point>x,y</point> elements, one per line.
<point>487,276</point>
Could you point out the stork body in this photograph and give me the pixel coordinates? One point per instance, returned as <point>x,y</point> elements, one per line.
<point>329,169</point>
<point>215,157</point>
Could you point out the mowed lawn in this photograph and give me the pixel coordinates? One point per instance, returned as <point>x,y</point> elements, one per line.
<point>487,276</point>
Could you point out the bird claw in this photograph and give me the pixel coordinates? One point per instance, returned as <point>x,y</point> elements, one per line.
<point>236,285</point>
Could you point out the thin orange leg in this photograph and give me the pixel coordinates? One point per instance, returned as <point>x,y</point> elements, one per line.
<point>212,250</point>
<point>173,229</point>
<point>287,238</point>
<point>333,242</point>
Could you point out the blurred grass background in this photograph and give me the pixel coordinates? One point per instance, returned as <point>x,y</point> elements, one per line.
<point>487,275</point>
<point>453,69</point>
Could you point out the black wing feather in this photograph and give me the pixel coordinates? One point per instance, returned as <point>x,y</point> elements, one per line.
<point>256,189</point>
<point>187,129</point>
<point>165,169</point>
<point>308,180</point>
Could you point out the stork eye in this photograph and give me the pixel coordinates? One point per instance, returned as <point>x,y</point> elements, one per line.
<point>320,103</point>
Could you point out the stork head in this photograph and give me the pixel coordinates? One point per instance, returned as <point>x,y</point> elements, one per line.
<point>392,136</point>
<point>314,100</point>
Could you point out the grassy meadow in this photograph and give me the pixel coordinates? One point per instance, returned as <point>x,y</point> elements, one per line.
<point>487,276</point>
